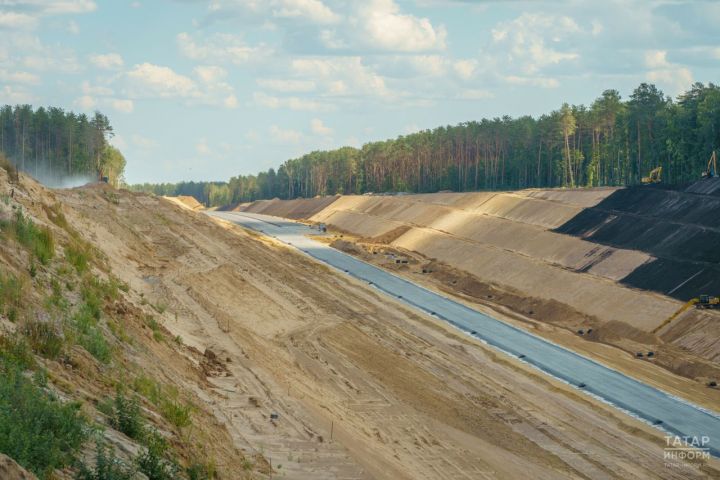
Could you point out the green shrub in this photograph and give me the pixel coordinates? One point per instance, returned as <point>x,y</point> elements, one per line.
<point>166,399</point>
<point>107,467</point>
<point>15,351</point>
<point>96,345</point>
<point>155,462</point>
<point>39,240</point>
<point>201,471</point>
<point>126,416</point>
<point>11,295</point>
<point>78,254</point>
<point>44,338</point>
<point>36,429</point>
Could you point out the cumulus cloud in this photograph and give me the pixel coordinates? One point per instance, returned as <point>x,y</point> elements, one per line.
<point>285,85</point>
<point>14,20</point>
<point>219,48</point>
<point>285,135</point>
<point>341,76</point>
<point>18,77</point>
<point>385,27</point>
<point>122,105</point>
<point>534,41</point>
<point>314,10</point>
<point>319,128</point>
<point>147,80</point>
<point>86,102</point>
<point>292,103</point>
<point>107,61</point>
<point>672,77</point>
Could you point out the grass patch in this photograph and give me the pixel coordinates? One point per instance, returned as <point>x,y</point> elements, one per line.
<point>155,462</point>
<point>11,295</point>
<point>107,467</point>
<point>45,338</point>
<point>36,429</point>
<point>125,416</point>
<point>78,254</point>
<point>38,240</point>
<point>166,399</point>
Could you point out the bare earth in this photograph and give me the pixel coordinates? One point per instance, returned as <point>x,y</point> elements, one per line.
<point>362,386</point>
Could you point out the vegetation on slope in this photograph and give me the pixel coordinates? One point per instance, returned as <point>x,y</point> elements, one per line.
<point>68,339</point>
<point>612,142</point>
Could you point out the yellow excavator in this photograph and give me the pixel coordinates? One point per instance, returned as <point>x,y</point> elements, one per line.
<point>707,302</point>
<point>711,169</point>
<point>655,176</point>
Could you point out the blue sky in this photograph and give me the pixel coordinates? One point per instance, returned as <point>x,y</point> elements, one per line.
<point>204,90</point>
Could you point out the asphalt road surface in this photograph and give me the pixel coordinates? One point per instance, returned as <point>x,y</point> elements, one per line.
<point>671,414</point>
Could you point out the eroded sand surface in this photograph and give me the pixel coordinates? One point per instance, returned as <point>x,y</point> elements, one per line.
<point>403,395</point>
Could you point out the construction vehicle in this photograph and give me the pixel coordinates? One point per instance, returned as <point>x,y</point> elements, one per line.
<point>654,177</point>
<point>708,302</point>
<point>711,169</point>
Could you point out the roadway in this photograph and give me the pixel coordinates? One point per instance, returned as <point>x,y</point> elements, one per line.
<point>666,412</point>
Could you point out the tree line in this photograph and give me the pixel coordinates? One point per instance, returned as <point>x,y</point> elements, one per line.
<point>611,142</point>
<point>52,144</point>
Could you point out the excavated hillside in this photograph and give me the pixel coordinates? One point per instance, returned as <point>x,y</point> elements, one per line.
<point>621,262</point>
<point>207,351</point>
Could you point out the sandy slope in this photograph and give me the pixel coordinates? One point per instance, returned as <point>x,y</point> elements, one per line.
<point>403,395</point>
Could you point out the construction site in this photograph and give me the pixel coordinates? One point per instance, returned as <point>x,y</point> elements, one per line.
<point>295,370</point>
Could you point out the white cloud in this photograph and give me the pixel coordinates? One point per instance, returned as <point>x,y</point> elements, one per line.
<point>209,73</point>
<point>202,147</point>
<point>318,127</point>
<point>97,90</point>
<point>155,81</point>
<point>107,61</point>
<point>388,29</point>
<point>219,48</point>
<point>149,80</point>
<point>13,20</point>
<point>58,7</point>
<point>13,95</point>
<point>86,102</point>
<point>475,94</point>
<point>532,41</point>
<point>26,78</point>
<point>656,59</point>
<point>543,82</point>
<point>314,10</point>
<point>465,69</point>
<point>293,103</point>
<point>122,105</point>
<point>341,76</point>
<point>285,136</point>
<point>286,86</point>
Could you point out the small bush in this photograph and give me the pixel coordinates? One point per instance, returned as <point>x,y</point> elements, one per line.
<point>154,462</point>
<point>39,240</point>
<point>44,338</point>
<point>107,467</point>
<point>88,334</point>
<point>36,429</point>
<point>78,254</point>
<point>11,295</point>
<point>126,416</point>
<point>15,351</point>
<point>201,471</point>
<point>166,399</point>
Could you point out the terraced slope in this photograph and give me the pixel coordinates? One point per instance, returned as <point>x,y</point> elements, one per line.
<point>625,260</point>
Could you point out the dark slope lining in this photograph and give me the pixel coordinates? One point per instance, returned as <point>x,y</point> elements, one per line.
<point>681,229</point>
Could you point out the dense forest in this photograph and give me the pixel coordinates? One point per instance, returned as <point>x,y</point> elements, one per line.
<point>52,144</point>
<point>612,142</point>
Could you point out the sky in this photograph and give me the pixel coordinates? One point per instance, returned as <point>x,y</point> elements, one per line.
<point>206,90</point>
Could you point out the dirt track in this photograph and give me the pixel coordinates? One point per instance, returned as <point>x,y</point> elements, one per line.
<point>404,396</point>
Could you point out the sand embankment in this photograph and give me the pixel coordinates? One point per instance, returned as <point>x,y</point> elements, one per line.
<point>627,259</point>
